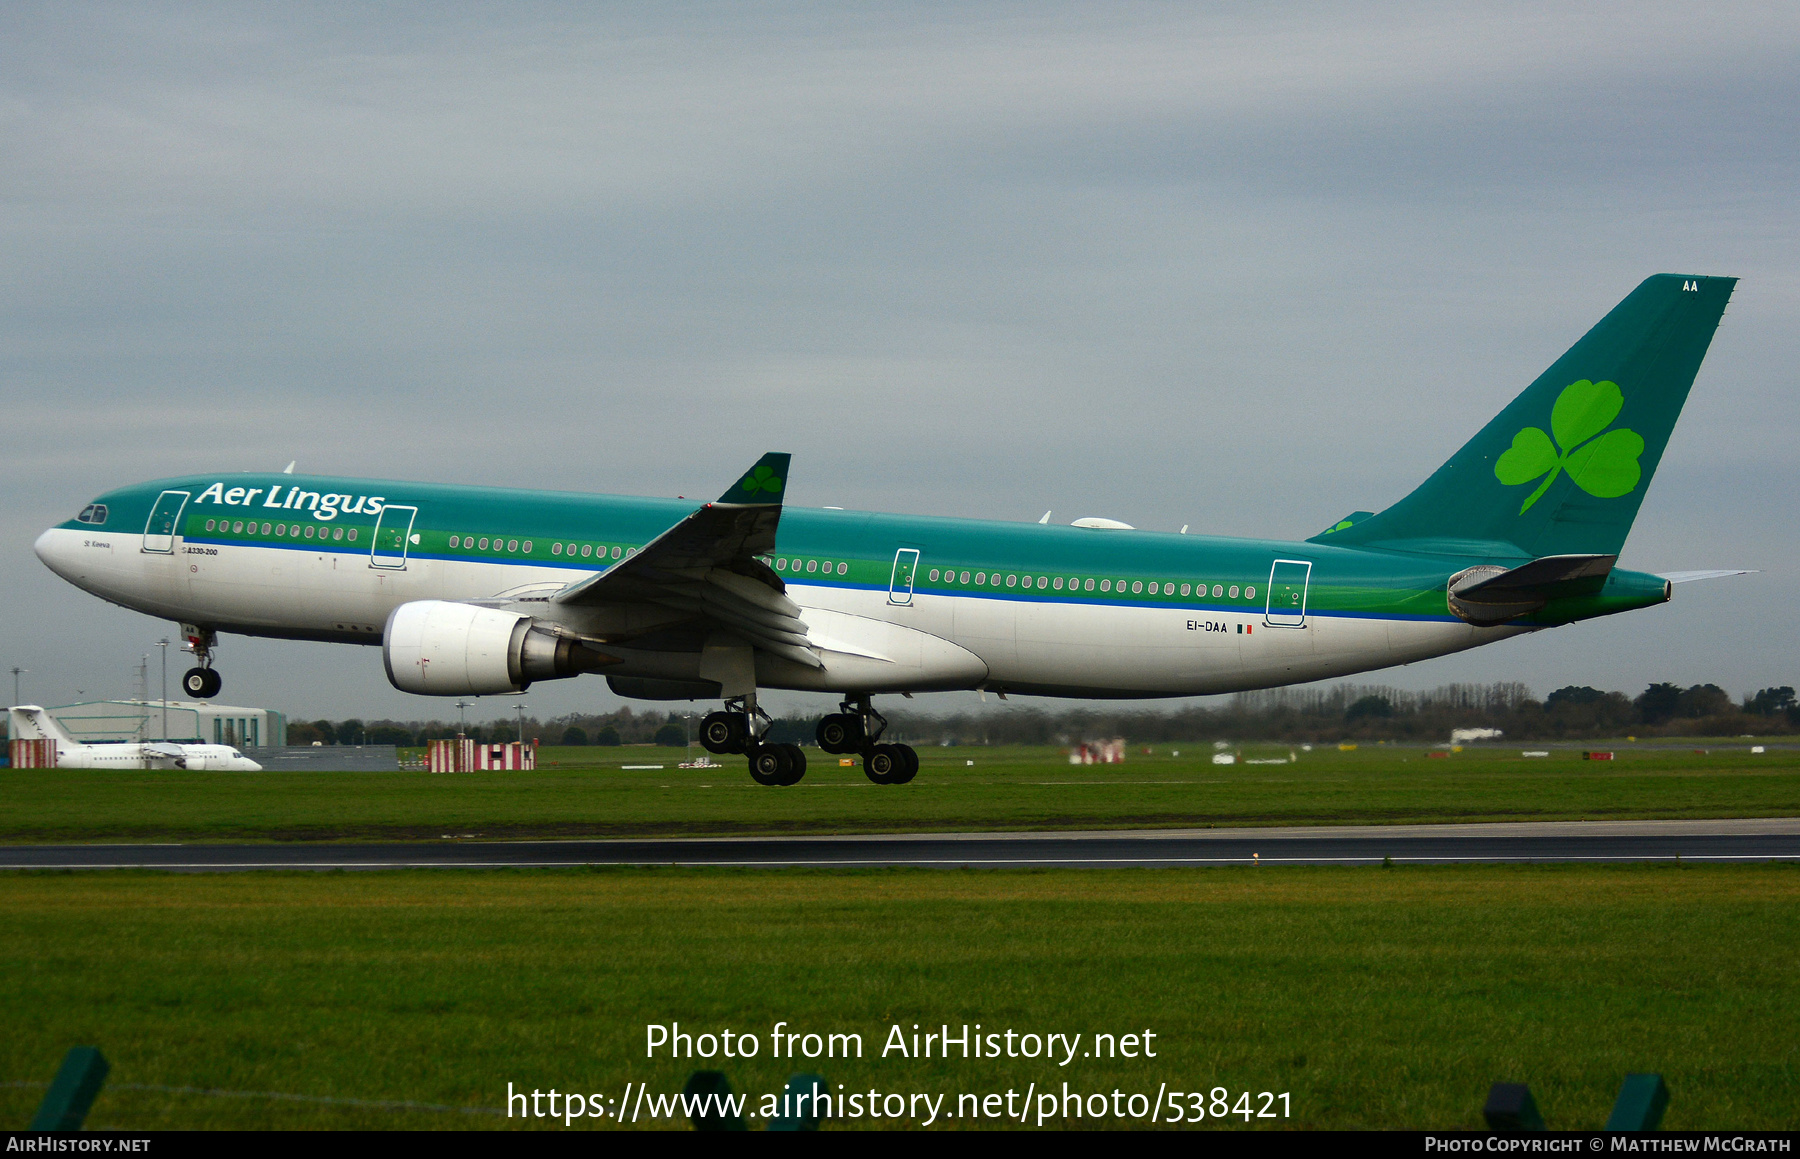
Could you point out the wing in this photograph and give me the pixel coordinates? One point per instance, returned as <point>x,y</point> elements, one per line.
<point>706,566</point>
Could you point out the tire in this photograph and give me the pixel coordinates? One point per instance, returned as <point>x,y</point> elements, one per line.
<point>214,682</point>
<point>909,764</point>
<point>796,763</point>
<point>722,732</point>
<point>840,733</point>
<point>881,763</point>
<point>769,764</point>
<point>194,682</point>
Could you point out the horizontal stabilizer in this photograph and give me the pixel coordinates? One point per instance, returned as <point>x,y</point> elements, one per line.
<point>1548,576</point>
<point>1688,577</point>
<point>1490,595</point>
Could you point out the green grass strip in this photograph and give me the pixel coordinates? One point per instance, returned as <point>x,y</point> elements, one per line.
<point>1376,997</point>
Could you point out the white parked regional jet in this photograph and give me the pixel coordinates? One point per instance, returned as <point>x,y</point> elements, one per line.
<point>29,722</point>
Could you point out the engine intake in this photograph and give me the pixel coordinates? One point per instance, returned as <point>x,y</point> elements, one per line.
<point>439,648</point>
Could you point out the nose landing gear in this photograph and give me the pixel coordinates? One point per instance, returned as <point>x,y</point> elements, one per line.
<point>202,682</point>
<point>856,728</point>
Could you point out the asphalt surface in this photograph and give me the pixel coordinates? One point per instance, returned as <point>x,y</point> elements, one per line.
<point>1771,839</point>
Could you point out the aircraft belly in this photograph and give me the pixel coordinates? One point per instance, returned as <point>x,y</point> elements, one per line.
<point>866,654</point>
<point>1111,649</point>
<point>1410,640</point>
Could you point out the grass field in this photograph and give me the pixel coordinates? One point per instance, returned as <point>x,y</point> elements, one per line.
<point>1376,998</point>
<point>581,792</point>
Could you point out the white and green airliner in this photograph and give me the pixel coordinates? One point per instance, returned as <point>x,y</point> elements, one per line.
<point>472,590</point>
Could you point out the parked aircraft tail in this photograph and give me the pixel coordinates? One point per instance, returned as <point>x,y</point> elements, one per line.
<point>1563,469</point>
<point>29,722</point>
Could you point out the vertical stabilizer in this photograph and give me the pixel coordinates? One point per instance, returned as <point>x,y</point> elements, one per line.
<point>1563,469</point>
<point>29,722</point>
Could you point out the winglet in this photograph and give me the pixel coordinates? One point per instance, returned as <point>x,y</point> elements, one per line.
<point>762,485</point>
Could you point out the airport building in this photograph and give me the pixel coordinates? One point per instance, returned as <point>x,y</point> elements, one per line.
<point>188,721</point>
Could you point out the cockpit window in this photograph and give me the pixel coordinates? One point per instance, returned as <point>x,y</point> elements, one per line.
<point>92,513</point>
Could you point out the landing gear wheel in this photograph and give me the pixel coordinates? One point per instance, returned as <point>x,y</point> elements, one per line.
<point>840,733</point>
<point>909,765</point>
<point>796,763</point>
<point>882,762</point>
<point>725,732</point>
<point>771,765</point>
<point>201,683</point>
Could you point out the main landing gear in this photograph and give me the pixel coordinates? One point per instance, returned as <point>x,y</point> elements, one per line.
<point>202,682</point>
<point>856,728</point>
<point>741,729</point>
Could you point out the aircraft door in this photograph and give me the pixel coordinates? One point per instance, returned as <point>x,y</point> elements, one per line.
<point>393,535</point>
<point>165,517</point>
<point>1287,593</point>
<point>900,586</point>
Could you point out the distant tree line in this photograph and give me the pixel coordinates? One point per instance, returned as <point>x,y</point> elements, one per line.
<point>622,727</point>
<point>1341,712</point>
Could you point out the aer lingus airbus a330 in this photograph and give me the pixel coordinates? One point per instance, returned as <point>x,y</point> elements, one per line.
<point>472,590</point>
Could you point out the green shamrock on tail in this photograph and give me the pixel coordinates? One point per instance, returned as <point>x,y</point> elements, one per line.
<point>1604,467</point>
<point>761,479</point>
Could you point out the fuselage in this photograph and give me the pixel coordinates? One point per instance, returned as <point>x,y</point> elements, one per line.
<point>192,757</point>
<point>1041,609</point>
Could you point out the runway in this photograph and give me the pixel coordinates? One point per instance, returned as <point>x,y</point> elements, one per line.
<point>1763,839</point>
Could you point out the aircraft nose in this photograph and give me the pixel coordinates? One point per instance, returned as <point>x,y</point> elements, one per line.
<point>49,549</point>
<point>57,549</point>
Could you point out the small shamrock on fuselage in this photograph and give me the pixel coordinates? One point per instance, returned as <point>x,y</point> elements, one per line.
<point>1604,467</point>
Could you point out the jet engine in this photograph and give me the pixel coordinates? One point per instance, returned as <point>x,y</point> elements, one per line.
<point>438,648</point>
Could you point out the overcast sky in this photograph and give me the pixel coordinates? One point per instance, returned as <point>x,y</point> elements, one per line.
<point>1242,267</point>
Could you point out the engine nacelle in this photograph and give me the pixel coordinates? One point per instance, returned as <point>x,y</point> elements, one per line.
<point>438,648</point>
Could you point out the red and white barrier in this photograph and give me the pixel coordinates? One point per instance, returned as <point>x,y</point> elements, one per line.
<point>33,754</point>
<point>463,755</point>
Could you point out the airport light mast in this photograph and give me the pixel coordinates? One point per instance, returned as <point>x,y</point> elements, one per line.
<point>164,645</point>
